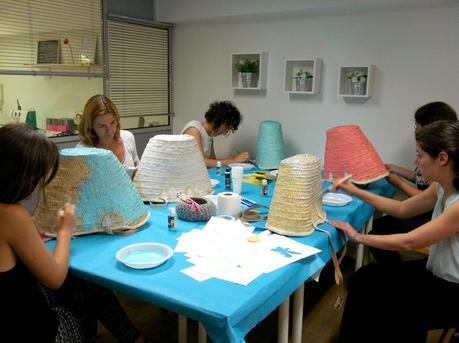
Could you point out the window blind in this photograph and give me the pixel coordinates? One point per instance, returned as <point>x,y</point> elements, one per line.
<point>139,68</point>
<point>70,29</point>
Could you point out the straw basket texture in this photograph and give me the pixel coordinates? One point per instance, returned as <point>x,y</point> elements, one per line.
<point>296,206</point>
<point>347,150</point>
<point>96,182</point>
<point>172,164</point>
<point>270,145</point>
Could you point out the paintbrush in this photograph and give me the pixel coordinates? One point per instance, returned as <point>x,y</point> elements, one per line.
<point>330,188</point>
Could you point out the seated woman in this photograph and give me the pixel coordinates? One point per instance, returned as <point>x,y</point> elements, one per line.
<point>401,302</point>
<point>221,118</point>
<point>40,302</point>
<point>100,127</point>
<point>424,115</point>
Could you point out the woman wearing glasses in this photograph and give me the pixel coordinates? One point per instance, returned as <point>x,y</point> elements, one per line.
<point>222,118</point>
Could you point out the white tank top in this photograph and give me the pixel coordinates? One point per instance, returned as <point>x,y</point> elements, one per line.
<point>206,140</point>
<point>443,259</point>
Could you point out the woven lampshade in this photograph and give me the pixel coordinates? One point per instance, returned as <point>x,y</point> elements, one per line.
<point>270,145</point>
<point>172,164</point>
<point>96,182</point>
<point>347,150</point>
<point>296,206</point>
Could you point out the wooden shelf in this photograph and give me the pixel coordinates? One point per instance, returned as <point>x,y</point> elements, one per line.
<point>63,66</point>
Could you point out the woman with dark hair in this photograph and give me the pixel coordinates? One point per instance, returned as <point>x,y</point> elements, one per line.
<point>424,115</point>
<point>222,118</point>
<point>100,127</point>
<point>401,302</point>
<point>29,271</point>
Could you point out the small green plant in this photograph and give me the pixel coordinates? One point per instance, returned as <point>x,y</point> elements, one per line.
<point>357,76</point>
<point>303,74</point>
<point>247,66</point>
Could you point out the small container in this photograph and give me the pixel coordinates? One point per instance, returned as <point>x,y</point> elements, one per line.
<point>264,187</point>
<point>219,168</point>
<point>228,178</point>
<point>171,219</point>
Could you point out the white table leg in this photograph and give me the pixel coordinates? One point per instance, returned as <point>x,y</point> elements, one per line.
<point>359,259</point>
<point>182,330</point>
<point>282,330</point>
<point>202,334</point>
<point>297,320</point>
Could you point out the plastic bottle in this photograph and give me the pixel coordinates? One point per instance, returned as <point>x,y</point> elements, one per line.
<point>219,168</point>
<point>171,219</point>
<point>264,187</point>
<point>228,178</point>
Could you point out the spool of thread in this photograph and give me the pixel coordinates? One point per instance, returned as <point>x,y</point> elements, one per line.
<point>270,145</point>
<point>228,203</point>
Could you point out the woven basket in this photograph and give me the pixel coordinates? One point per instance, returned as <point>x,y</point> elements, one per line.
<point>184,210</point>
<point>96,182</point>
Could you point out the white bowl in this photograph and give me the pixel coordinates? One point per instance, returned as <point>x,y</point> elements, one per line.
<point>214,182</point>
<point>336,199</point>
<point>144,255</point>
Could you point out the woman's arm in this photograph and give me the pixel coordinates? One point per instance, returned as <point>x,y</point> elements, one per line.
<point>403,172</point>
<point>418,204</point>
<point>22,236</point>
<point>436,230</point>
<point>212,161</point>
<point>403,186</point>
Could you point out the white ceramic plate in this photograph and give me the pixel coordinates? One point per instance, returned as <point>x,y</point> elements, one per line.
<point>336,199</point>
<point>246,166</point>
<point>144,255</point>
<point>214,182</point>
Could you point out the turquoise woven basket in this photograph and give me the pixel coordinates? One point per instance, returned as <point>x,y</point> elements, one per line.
<point>270,145</point>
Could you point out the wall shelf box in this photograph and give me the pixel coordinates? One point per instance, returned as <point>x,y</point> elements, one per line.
<point>311,86</point>
<point>346,89</point>
<point>236,82</point>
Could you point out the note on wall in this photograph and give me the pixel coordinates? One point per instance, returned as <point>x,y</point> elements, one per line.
<point>48,52</point>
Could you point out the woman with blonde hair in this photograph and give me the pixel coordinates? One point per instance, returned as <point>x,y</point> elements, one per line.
<point>100,127</point>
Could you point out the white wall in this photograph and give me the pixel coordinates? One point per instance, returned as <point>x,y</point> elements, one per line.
<point>415,50</point>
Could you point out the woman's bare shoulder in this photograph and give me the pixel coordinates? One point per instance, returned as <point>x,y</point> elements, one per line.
<point>13,215</point>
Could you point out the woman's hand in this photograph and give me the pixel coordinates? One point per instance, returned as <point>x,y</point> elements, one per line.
<point>65,219</point>
<point>346,228</point>
<point>392,168</point>
<point>346,186</point>
<point>242,157</point>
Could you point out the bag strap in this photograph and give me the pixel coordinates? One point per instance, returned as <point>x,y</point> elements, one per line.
<point>124,230</point>
<point>337,270</point>
<point>251,215</point>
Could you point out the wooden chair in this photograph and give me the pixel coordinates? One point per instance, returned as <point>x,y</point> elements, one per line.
<point>446,335</point>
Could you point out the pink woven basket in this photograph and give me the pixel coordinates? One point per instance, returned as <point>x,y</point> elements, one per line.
<point>348,150</point>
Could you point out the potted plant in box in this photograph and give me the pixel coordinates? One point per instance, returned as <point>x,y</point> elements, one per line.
<point>358,80</point>
<point>300,80</point>
<point>248,69</point>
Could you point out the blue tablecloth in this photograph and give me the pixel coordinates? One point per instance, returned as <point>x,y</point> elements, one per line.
<point>228,311</point>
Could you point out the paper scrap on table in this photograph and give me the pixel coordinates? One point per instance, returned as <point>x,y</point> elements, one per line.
<point>221,250</point>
